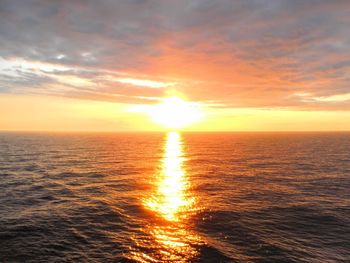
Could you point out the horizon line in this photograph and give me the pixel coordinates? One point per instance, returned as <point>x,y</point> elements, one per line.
<point>165,131</point>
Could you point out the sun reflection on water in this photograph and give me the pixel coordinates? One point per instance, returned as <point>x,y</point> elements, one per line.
<point>171,200</point>
<point>171,203</point>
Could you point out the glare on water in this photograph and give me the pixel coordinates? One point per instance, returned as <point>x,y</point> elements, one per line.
<point>172,203</point>
<point>171,200</point>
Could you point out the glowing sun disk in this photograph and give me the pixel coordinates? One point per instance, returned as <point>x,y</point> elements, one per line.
<point>176,113</point>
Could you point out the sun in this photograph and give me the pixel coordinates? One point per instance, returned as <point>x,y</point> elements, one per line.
<point>176,113</point>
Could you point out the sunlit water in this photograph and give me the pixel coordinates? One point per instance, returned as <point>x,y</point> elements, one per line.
<point>174,197</point>
<point>172,202</point>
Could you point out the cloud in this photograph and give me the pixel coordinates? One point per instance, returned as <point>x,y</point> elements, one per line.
<point>230,53</point>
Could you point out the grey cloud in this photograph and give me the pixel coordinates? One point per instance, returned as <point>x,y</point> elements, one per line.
<point>300,41</point>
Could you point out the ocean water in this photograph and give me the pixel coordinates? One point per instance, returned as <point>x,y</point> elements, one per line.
<point>172,197</point>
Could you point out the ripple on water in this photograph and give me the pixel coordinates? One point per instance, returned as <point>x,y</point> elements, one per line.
<point>189,198</point>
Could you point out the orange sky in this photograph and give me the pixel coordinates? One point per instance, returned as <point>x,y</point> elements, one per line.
<point>250,66</point>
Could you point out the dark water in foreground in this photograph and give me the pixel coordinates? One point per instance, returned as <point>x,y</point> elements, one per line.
<point>175,197</point>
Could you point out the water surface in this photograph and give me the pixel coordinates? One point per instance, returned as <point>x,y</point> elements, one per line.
<point>192,197</point>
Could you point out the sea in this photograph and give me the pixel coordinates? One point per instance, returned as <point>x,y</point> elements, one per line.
<point>175,197</point>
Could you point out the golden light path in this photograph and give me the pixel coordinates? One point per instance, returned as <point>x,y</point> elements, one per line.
<point>171,202</point>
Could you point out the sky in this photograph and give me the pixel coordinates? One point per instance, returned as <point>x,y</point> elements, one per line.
<point>264,65</point>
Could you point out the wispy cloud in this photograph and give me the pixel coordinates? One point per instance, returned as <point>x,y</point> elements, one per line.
<point>144,83</point>
<point>334,98</point>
